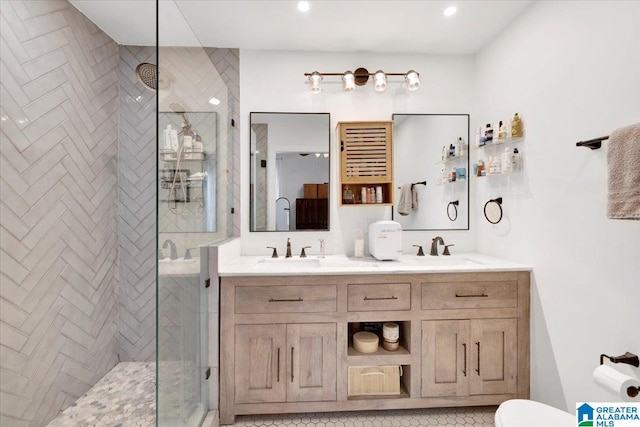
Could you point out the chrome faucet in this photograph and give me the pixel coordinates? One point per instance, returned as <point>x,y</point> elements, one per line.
<point>434,245</point>
<point>174,251</point>
<point>288,255</point>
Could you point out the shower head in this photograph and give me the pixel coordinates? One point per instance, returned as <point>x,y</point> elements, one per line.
<point>152,77</point>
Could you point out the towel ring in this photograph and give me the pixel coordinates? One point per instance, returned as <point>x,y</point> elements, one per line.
<point>493,210</point>
<point>452,210</point>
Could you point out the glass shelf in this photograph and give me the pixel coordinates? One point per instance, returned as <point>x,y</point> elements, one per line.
<point>452,159</point>
<point>170,156</point>
<point>499,174</point>
<point>498,142</point>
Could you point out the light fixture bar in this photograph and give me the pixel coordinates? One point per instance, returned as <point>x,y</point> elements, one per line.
<point>360,77</point>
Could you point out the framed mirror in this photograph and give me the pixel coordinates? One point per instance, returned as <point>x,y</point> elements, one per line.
<point>289,171</point>
<point>431,171</point>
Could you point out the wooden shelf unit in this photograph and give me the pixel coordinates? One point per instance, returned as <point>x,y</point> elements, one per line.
<point>366,159</point>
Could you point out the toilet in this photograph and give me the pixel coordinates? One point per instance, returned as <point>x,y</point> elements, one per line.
<point>528,413</point>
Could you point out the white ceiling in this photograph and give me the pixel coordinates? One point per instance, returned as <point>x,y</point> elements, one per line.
<point>330,25</point>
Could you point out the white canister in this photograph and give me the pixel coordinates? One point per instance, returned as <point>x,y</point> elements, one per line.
<point>390,331</point>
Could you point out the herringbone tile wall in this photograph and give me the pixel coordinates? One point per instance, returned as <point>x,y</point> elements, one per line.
<point>137,209</point>
<point>59,208</point>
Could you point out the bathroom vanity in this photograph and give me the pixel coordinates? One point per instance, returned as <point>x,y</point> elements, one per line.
<point>286,333</point>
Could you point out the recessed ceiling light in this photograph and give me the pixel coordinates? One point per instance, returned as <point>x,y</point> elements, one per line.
<point>303,6</point>
<point>450,11</point>
<point>214,101</point>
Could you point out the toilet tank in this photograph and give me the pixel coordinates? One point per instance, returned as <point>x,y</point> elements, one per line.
<point>385,240</point>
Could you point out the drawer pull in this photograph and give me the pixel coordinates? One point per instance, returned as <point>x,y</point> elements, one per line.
<point>464,371</point>
<point>286,300</point>
<point>472,296</point>
<point>278,367</point>
<point>478,370</point>
<point>379,298</point>
<point>291,364</point>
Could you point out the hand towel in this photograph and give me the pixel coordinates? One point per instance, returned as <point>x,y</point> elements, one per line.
<point>623,161</point>
<point>406,200</point>
<point>414,197</point>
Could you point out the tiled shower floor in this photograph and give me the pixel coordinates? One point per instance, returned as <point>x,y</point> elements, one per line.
<point>124,397</point>
<point>450,417</point>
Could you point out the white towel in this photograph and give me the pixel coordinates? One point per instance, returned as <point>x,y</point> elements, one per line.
<point>414,197</point>
<point>406,200</point>
<point>623,160</point>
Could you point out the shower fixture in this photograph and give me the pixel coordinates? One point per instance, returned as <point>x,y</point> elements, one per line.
<point>152,79</point>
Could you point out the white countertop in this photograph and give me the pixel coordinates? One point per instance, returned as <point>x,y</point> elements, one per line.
<point>341,265</point>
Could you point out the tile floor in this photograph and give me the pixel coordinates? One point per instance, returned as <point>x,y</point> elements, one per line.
<point>449,417</point>
<point>124,397</point>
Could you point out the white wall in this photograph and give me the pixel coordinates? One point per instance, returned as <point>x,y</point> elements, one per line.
<point>417,156</point>
<point>572,70</point>
<point>275,81</point>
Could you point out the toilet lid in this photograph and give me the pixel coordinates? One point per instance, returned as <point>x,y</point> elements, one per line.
<point>528,413</point>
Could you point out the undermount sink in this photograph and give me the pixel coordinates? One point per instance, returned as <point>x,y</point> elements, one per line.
<point>437,261</point>
<point>284,263</point>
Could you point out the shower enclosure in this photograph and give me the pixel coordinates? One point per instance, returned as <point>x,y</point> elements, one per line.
<point>196,180</point>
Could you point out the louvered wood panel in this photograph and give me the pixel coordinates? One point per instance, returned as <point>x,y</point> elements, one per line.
<point>366,150</point>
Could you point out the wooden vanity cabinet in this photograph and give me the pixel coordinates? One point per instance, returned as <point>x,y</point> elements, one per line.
<point>285,341</point>
<point>278,363</point>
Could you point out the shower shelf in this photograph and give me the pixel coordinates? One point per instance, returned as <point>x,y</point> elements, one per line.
<point>171,157</point>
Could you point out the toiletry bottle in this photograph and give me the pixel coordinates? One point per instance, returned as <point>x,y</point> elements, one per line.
<point>452,150</point>
<point>516,161</point>
<point>187,143</point>
<point>378,194</point>
<point>166,133</point>
<point>506,160</point>
<point>372,195</point>
<point>479,138</point>
<point>458,147</point>
<point>516,126</point>
<point>175,145</point>
<point>347,195</point>
<point>488,133</point>
<point>363,195</point>
<point>480,167</point>
<point>359,244</point>
<point>502,131</point>
<point>444,156</point>
<point>453,175</point>
<point>198,146</point>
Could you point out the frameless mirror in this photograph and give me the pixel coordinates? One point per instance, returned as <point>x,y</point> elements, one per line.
<point>289,183</point>
<point>432,148</point>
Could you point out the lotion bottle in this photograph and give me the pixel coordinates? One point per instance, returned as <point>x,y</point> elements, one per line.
<point>359,244</point>
<point>166,133</point>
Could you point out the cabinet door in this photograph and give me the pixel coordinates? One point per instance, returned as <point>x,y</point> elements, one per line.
<point>366,152</point>
<point>260,363</point>
<point>445,364</point>
<point>494,359</point>
<point>311,364</point>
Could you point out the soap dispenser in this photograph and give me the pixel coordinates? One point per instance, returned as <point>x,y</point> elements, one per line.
<point>516,126</point>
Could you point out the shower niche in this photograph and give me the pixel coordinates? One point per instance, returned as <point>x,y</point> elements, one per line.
<point>187,172</point>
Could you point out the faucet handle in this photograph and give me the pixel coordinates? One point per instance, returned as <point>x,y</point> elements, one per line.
<point>187,254</point>
<point>275,252</point>
<point>303,253</point>
<point>420,251</point>
<point>446,250</point>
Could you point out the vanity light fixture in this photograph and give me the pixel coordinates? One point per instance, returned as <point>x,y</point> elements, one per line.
<point>314,79</point>
<point>360,77</point>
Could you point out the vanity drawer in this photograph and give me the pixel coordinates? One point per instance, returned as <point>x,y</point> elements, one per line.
<point>286,299</point>
<point>490,294</point>
<point>379,297</point>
